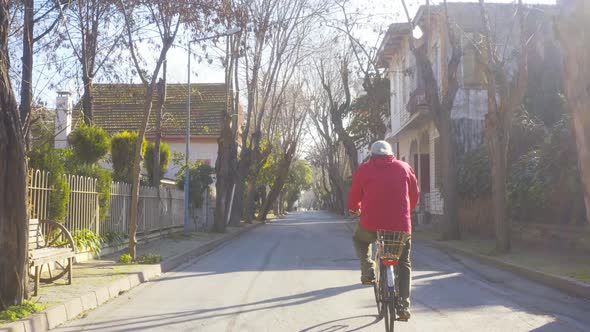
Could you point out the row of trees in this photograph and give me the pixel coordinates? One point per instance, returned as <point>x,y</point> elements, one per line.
<point>94,39</point>
<point>351,102</point>
<point>266,64</point>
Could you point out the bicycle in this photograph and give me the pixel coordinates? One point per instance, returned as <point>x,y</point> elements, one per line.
<point>389,247</point>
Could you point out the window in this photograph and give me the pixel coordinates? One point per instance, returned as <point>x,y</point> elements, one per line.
<point>473,62</point>
<point>437,164</point>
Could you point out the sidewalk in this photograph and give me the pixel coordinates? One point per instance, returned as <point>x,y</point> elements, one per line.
<point>561,269</point>
<point>97,281</point>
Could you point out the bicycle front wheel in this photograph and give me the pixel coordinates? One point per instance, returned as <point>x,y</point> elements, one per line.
<point>377,299</point>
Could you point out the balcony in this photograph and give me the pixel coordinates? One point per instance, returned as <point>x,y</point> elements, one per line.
<point>417,101</point>
<point>417,114</point>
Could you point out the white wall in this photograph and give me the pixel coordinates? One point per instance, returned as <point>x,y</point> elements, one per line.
<point>198,151</point>
<point>434,200</point>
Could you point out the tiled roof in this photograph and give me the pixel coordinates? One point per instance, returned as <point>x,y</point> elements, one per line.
<point>119,107</point>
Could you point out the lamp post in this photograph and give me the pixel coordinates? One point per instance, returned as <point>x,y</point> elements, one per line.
<point>188,127</point>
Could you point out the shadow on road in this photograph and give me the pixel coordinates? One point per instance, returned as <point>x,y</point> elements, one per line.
<point>348,324</point>
<point>140,323</point>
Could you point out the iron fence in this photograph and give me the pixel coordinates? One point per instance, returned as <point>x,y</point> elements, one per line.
<point>159,209</point>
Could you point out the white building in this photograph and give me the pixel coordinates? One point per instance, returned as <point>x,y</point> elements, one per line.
<point>414,136</point>
<point>119,107</point>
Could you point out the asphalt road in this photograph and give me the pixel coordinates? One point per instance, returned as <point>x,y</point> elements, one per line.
<point>301,274</point>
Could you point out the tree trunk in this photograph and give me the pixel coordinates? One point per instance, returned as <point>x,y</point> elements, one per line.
<point>572,26</point>
<point>338,188</point>
<point>275,191</point>
<point>87,99</point>
<point>137,175</point>
<point>250,204</point>
<point>26,92</point>
<point>13,182</point>
<point>222,169</point>
<point>450,217</point>
<point>497,140</point>
<point>242,173</point>
<point>162,89</point>
<point>351,150</point>
<point>504,97</point>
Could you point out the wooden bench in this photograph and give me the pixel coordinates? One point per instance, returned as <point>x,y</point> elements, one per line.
<point>51,244</point>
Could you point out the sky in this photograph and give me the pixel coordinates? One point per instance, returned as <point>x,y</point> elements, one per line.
<point>384,12</point>
<point>205,73</point>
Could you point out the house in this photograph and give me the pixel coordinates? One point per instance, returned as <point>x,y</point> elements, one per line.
<point>413,134</point>
<point>119,107</point>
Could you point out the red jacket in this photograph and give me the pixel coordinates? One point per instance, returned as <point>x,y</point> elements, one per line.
<point>386,191</point>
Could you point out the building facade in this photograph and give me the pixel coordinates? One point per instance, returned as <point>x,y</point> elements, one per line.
<point>119,107</point>
<point>414,136</point>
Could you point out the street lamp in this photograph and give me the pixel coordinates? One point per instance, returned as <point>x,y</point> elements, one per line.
<point>188,126</point>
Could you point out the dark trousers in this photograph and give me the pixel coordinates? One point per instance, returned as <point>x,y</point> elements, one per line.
<point>362,240</point>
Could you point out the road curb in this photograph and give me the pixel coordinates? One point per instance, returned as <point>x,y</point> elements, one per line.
<point>567,285</point>
<point>58,315</point>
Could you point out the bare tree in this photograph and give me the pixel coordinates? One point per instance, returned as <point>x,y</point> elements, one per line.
<point>340,101</point>
<point>506,89</point>
<point>13,180</point>
<point>573,24</point>
<point>370,109</point>
<point>290,119</point>
<point>51,10</point>
<point>227,150</point>
<point>272,53</point>
<point>441,106</point>
<point>166,16</point>
<point>93,32</point>
<point>328,147</point>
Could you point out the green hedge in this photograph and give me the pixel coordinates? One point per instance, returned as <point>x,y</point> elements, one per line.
<point>148,162</point>
<point>200,179</point>
<point>53,161</point>
<point>475,175</point>
<point>103,183</point>
<point>89,143</point>
<point>545,184</point>
<point>123,153</point>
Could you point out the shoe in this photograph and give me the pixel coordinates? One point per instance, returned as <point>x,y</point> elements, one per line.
<point>368,279</point>
<point>403,314</point>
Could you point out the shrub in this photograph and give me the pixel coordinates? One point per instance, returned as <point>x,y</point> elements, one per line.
<point>123,153</point>
<point>86,239</point>
<point>149,259</point>
<point>16,312</point>
<point>125,259</point>
<point>53,161</point>
<point>474,175</point>
<point>103,182</point>
<point>149,159</point>
<point>200,179</point>
<point>526,189</point>
<point>114,238</point>
<point>89,143</point>
<point>545,184</point>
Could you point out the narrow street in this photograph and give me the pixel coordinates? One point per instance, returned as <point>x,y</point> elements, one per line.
<point>301,274</point>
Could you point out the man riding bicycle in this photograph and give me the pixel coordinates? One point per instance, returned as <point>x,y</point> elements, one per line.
<point>386,190</point>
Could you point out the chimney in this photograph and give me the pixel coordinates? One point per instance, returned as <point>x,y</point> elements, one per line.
<point>63,119</point>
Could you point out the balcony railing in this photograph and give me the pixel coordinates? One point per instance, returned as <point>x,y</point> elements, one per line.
<point>417,101</point>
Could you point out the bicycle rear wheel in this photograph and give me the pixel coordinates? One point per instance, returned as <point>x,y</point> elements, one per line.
<point>387,300</point>
<point>389,314</point>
